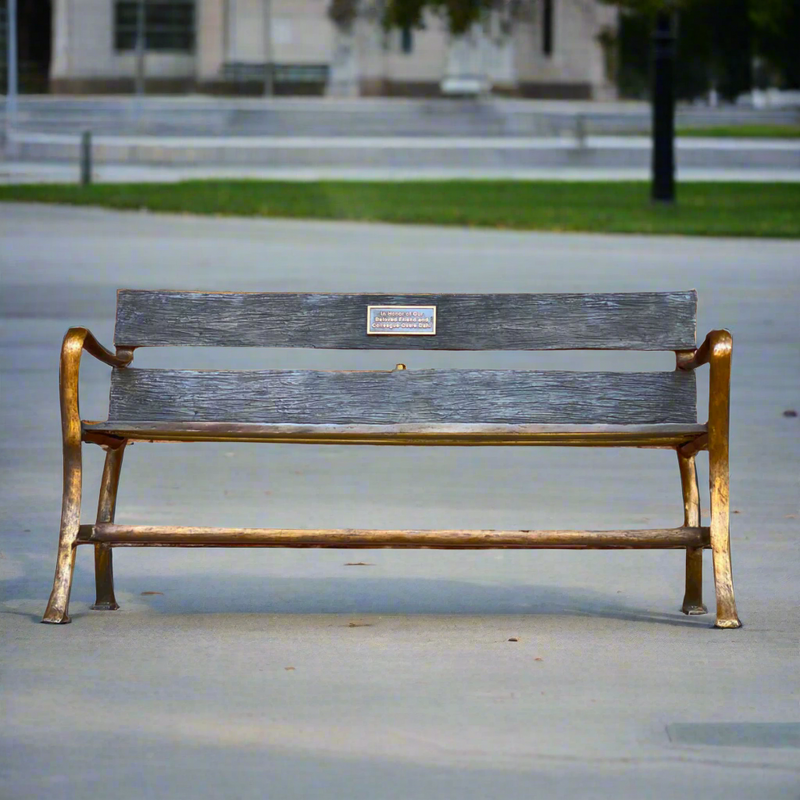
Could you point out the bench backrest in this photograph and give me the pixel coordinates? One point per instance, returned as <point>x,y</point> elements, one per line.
<point>621,321</point>
<point>629,321</point>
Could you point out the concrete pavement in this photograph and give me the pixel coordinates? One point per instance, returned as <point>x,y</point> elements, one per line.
<point>291,674</point>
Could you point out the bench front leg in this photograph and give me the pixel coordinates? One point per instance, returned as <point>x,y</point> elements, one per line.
<point>58,606</point>
<point>75,342</point>
<point>106,508</point>
<point>720,351</point>
<point>693,597</point>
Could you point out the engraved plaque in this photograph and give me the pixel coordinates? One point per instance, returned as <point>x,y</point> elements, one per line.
<point>401,320</point>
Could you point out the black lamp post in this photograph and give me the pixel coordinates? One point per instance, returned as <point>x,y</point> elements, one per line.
<point>663,186</point>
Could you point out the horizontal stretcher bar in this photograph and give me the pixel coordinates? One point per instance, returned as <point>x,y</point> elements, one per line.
<point>169,536</point>
<point>663,435</point>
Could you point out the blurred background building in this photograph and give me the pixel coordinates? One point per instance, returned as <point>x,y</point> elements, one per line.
<point>553,49</point>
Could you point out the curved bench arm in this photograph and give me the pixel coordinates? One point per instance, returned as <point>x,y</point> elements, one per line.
<point>76,341</point>
<point>716,351</point>
<point>717,345</point>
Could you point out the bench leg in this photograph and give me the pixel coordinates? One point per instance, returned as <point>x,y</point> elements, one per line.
<point>719,477</point>
<point>693,596</point>
<point>58,605</point>
<point>719,481</point>
<point>106,507</point>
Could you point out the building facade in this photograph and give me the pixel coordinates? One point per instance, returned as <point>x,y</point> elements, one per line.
<point>552,49</point>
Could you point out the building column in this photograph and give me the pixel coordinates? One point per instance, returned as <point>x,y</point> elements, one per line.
<point>211,29</point>
<point>59,62</point>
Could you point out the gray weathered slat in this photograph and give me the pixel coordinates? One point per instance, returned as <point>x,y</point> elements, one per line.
<point>404,397</point>
<point>633,321</point>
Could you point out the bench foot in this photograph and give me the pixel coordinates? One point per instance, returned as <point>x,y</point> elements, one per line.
<point>723,579</point>
<point>50,619</point>
<point>694,611</point>
<point>106,605</point>
<point>56,612</point>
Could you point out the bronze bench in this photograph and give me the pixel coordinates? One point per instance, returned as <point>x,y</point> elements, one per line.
<point>403,407</point>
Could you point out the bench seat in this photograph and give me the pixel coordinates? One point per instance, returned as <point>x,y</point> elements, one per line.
<point>663,435</point>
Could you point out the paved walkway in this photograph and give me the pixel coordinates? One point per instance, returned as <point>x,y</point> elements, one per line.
<point>35,172</point>
<point>292,674</point>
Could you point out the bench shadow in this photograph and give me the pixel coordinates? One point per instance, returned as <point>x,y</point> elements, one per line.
<point>382,596</point>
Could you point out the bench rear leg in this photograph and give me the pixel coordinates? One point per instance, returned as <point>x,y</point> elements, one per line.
<point>58,606</point>
<point>106,508</point>
<point>693,596</point>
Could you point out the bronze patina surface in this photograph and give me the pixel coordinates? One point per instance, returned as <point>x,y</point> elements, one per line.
<point>686,439</point>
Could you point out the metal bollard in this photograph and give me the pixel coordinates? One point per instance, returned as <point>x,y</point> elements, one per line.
<point>580,130</point>
<point>86,158</point>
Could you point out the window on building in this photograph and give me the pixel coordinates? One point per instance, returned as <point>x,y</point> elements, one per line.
<point>169,25</point>
<point>406,40</point>
<point>547,27</point>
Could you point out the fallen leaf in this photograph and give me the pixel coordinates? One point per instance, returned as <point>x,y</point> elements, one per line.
<point>737,512</point>
<point>538,659</point>
<point>27,530</point>
<point>791,516</point>
<point>790,412</point>
<point>359,625</point>
<point>146,593</point>
<point>513,639</point>
<point>359,564</point>
<point>289,669</point>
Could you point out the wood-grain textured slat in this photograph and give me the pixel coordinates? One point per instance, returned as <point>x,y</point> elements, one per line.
<point>155,536</point>
<point>621,321</point>
<point>403,397</point>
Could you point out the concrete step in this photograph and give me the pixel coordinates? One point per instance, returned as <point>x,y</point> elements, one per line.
<point>360,117</point>
<point>407,152</point>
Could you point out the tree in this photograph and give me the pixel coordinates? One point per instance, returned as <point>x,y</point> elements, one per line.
<point>720,40</point>
<point>776,29</point>
<point>461,15</point>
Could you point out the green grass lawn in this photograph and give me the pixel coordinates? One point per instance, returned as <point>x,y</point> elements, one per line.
<point>703,209</point>
<point>745,131</point>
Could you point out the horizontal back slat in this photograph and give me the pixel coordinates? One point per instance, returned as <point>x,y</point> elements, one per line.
<point>406,396</point>
<point>626,321</point>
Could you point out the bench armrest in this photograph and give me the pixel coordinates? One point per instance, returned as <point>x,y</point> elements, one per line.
<point>716,345</point>
<point>716,351</point>
<point>76,341</point>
